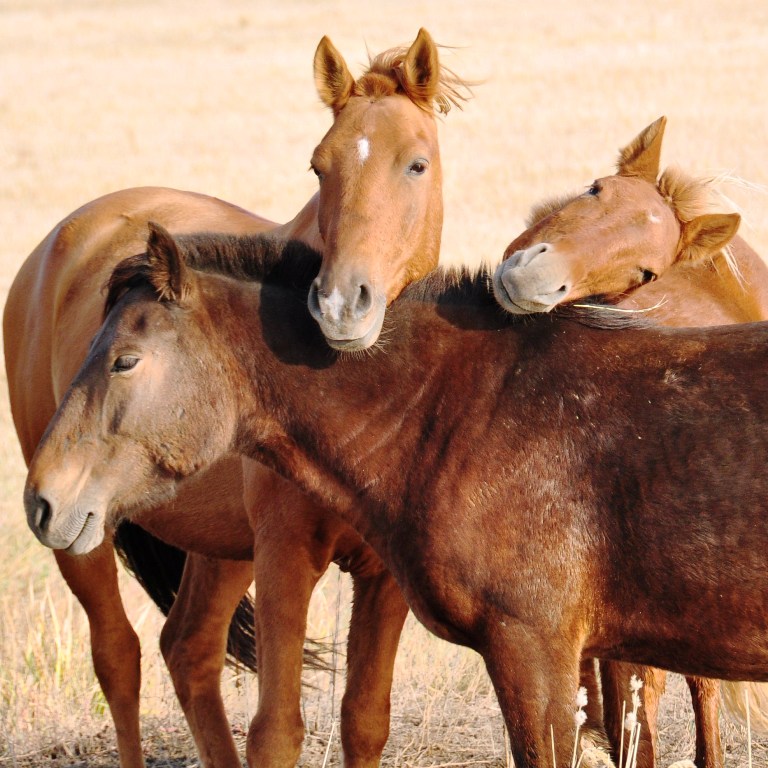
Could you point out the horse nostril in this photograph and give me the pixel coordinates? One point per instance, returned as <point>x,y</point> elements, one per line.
<point>42,513</point>
<point>364,300</point>
<point>313,299</point>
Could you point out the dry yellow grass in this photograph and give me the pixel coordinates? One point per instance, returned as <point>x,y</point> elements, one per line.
<point>218,97</point>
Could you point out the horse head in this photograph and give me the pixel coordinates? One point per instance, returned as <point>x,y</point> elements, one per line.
<point>123,436</point>
<point>623,232</point>
<point>380,200</point>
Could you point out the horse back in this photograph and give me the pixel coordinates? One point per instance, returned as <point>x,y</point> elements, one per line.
<point>55,303</point>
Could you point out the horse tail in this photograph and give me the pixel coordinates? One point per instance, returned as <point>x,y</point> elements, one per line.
<point>740,700</point>
<point>158,568</point>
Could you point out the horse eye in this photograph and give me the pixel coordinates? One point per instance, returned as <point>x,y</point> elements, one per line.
<point>594,189</point>
<point>316,172</point>
<point>124,363</point>
<point>417,167</point>
<point>647,276</point>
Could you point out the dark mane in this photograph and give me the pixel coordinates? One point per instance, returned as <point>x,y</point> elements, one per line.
<point>261,257</point>
<point>293,265</point>
<point>459,286</point>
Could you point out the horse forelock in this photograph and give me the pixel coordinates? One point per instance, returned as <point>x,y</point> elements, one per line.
<point>688,196</point>
<point>131,272</point>
<point>384,77</point>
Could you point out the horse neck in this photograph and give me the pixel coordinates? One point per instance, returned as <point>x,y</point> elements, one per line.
<point>303,226</point>
<point>707,293</point>
<point>343,429</point>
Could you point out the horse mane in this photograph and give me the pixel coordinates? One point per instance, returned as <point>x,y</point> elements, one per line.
<point>384,77</point>
<point>292,265</point>
<point>688,196</point>
<point>539,211</point>
<point>259,257</point>
<point>462,285</point>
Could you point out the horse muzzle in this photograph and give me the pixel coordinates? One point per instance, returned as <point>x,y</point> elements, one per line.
<point>350,320</point>
<point>531,281</point>
<point>77,531</point>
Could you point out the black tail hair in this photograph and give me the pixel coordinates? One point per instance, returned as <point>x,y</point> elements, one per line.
<point>158,567</point>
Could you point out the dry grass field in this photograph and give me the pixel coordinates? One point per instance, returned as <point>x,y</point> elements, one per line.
<point>218,97</point>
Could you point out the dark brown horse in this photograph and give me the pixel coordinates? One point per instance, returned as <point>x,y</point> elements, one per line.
<point>377,220</point>
<point>651,241</point>
<point>543,493</point>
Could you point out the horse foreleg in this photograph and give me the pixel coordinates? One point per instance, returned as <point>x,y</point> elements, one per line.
<point>536,680</point>
<point>705,696</point>
<point>615,677</point>
<point>194,642</point>
<point>114,644</point>
<point>378,614</point>
<point>291,551</point>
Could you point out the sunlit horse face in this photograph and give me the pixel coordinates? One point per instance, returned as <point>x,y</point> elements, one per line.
<point>130,407</point>
<point>620,234</point>
<point>380,209</point>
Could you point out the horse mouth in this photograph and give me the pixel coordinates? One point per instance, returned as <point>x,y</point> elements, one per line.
<point>89,537</point>
<point>348,337</point>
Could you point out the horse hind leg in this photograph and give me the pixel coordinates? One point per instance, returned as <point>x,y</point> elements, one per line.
<point>593,730</point>
<point>705,697</point>
<point>615,678</point>
<point>378,614</point>
<point>114,644</point>
<point>194,643</point>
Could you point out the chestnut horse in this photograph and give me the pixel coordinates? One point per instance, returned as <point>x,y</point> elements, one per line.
<point>377,220</point>
<point>643,240</point>
<point>568,455</point>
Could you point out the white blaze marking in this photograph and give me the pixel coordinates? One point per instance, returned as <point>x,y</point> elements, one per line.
<point>334,303</point>
<point>363,149</point>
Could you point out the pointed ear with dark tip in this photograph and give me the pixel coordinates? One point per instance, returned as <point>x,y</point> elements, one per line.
<point>421,70</point>
<point>642,157</point>
<point>707,235</point>
<point>333,81</point>
<point>169,274</point>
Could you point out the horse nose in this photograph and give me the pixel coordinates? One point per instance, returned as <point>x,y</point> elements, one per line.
<point>336,305</point>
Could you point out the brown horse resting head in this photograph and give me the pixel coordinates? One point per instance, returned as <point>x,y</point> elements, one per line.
<point>625,231</point>
<point>380,209</point>
<point>521,480</point>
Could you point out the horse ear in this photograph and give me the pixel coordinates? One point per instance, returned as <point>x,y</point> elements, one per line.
<point>421,70</point>
<point>706,235</point>
<point>169,273</point>
<point>642,157</point>
<point>333,81</point>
